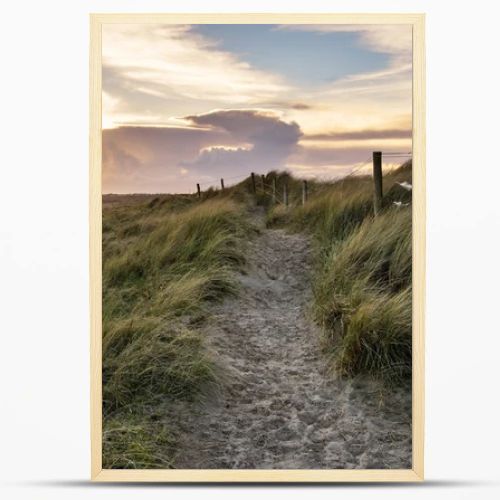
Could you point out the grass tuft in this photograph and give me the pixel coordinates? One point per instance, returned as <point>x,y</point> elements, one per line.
<point>136,441</point>
<point>363,298</point>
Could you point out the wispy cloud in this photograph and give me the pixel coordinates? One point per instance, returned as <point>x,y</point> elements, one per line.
<point>372,99</point>
<point>171,62</point>
<point>394,39</point>
<point>360,135</point>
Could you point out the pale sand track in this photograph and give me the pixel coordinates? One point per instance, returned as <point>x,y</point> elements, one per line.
<point>278,408</point>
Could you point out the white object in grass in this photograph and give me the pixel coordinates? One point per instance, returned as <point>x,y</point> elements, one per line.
<point>405,185</point>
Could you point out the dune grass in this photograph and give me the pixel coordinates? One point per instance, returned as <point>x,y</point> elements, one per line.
<point>362,283</point>
<point>137,440</point>
<point>164,261</point>
<point>363,297</point>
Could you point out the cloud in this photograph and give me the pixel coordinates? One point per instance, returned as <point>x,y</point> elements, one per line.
<point>148,159</point>
<point>322,172</point>
<point>394,39</point>
<point>222,143</point>
<point>380,99</point>
<point>369,100</point>
<point>258,125</point>
<point>266,140</point>
<point>300,106</point>
<point>289,105</point>
<point>334,156</point>
<point>360,135</point>
<point>146,63</point>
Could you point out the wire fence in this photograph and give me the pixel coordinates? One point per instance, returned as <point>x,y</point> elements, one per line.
<point>279,194</point>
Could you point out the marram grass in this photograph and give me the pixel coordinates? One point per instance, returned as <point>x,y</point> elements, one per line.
<point>362,283</point>
<point>363,298</point>
<point>164,262</point>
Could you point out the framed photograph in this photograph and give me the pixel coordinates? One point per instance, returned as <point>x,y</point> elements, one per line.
<point>257,247</point>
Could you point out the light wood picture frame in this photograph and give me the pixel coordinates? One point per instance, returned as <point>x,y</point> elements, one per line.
<point>416,473</point>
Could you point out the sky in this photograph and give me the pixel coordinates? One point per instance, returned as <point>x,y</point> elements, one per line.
<point>188,104</point>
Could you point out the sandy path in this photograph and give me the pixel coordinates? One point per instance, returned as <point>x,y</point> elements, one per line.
<point>278,408</point>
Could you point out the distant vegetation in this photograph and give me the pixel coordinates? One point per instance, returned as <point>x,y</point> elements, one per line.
<point>167,257</point>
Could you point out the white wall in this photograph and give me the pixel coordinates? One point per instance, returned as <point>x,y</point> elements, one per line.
<point>44,450</point>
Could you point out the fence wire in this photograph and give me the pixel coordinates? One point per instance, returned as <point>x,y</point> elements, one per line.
<point>278,195</point>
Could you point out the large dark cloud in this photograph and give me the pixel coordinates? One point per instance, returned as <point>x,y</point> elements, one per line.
<point>218,144</point>
<point>251,126</point>
<point>267,141</point>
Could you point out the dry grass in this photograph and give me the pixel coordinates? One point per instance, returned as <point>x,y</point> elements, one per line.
<point>362,286</point>
<point>165,260</point>
<point>363,297</point>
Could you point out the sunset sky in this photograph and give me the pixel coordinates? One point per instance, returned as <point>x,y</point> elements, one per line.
<point>187,104</point>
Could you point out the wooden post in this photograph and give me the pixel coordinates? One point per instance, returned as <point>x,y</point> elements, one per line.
<point>304,192</point>
<point>377,179</point>
<point>198,189</point>
<point>263,179</point>
<point>274,190</point>
<point>253,184</point>
<point>285,194</point>
<point>222,184</point>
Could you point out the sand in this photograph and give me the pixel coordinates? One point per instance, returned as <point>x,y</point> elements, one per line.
<point>278,406</point>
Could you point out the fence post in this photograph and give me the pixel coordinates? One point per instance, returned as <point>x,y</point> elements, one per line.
<point>222,184</point>
<point>253,184</point>
<point>274,190</point>
<point>285,194</point>
<point>198,189</point>
<point>377,179</point>
<point>304,192</point>
<point>263,179</point>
